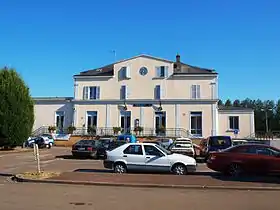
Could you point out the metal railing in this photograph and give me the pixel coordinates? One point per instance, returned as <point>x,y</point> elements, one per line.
<point>109,131</point>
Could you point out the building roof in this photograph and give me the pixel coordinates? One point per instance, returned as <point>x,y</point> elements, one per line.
<point>108,70</point>
<point>233,108</point>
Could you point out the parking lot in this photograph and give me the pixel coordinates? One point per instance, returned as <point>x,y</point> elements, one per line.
<point>57,159</point>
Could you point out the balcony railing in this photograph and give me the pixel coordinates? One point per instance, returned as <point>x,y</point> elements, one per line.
<point>103,131</point>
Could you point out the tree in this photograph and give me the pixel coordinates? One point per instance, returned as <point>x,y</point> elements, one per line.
<point>236,103</point>
<point>220,103</point>
<point>16,109</point>
<point>228,103</point>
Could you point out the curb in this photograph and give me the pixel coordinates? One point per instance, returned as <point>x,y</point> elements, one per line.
<point>198,187</point>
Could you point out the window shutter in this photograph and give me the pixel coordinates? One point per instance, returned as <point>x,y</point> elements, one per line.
<point>161,92</point>
<point>193,92</point>
<point>85,93</point>
<point>157,71</point>
<point>127,72</point>
<point>97,92</point>
<point>125,92</point>
<point>198,91</point>
<point>157,92</point>
<point>166,71</point>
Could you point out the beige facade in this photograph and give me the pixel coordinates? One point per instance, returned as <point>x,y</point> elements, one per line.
<point>148,92</point>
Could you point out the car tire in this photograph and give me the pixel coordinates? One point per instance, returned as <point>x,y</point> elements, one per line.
<point>50,145</point>
<point>179,169</point>
<point>234,170</point>
<point>120,168</point>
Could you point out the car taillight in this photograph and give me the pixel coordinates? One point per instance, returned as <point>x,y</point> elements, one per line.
<point>89,148</point>
<point>212,157</point>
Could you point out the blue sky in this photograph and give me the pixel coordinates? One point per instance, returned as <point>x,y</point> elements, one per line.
<point>48,41</point>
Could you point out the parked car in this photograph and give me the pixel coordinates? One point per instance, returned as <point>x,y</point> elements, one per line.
<point>183,146</point>
<point>239,141</point>
<point>85,148</point>
<point>165,142</point>
<point>148,157</point>
<point>154,142</point>
<point>42,141</point>
<point>107,146</point>
<point>127,137</point>
<point>214,143</point>
<point>246,158</point>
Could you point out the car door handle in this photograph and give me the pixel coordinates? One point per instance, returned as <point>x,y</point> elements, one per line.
<point>125,156</point>
<point>148,157</point>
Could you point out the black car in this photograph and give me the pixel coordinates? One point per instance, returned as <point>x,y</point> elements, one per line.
<point>85,148</point>
<point>112,145</point>
<point>92,148</point>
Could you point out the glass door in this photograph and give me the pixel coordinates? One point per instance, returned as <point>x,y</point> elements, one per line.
<point>91,121</point>
<point>160,123</point>
<point>126,121</point>
<point>196,123</point>
<point>59,118</point>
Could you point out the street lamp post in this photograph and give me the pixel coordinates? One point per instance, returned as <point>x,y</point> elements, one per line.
<point>266,118</point>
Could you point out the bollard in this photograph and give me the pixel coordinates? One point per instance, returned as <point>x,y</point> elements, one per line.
<point>38,158</point>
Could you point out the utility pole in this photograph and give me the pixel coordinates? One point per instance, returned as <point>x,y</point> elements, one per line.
<point>266,118</point>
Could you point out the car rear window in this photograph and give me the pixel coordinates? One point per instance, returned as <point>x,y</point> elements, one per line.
<point>86,142</point>
<point>220,141</point>
<point>183,145</point>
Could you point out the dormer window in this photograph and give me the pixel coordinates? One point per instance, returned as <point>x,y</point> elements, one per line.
<point>125,72</point>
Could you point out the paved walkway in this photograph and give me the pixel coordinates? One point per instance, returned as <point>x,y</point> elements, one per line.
<point>201,179</point>
<point>68,197</point>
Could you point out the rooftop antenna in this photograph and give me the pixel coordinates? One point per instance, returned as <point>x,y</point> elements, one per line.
<point>115,54</point>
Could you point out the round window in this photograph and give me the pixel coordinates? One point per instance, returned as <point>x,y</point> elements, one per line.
<point>143,71</point>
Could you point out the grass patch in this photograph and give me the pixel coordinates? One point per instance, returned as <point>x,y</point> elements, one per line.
<point>36,175</point>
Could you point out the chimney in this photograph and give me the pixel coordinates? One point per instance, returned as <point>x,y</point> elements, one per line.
<point>177,64</point>
<point>178,58</point>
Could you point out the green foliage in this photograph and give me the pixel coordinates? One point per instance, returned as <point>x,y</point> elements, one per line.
<point>228,103</point>
<point>116,130</point>
<point>16,109</point>
<point>51,128</point>
<point>71,129</point>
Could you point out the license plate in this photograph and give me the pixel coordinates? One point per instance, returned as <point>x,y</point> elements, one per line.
<point>81,149</point>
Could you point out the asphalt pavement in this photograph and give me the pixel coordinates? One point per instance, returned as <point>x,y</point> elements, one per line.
<point>67,197</point>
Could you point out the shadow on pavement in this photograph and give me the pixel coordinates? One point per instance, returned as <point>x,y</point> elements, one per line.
<point>71,157</point>
<point>6,174</point>
<point>210,175</point>
<point>248,178</point>
<point>93,170</point>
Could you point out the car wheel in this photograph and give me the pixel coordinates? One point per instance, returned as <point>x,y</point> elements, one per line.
<point>234,170</point>
<point>50,145</point>
<point>179,169</point>
<point>120,168</point>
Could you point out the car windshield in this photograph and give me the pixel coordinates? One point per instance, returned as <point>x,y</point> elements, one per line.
<point>183,144</point>
<point>167,152</point>
<point>218,141</point>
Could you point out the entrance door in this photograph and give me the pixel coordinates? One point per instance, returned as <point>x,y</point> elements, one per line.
<point>196,123</point>
<point>92,121</point>
<point>160,123</point>
<point>59,118</point>
<point>126,121</point>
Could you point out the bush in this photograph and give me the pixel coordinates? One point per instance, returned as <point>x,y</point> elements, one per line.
<point>16,109</point>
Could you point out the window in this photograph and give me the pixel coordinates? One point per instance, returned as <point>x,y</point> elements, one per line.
<point>196,123</point>
<point>161,71</point>
<point>123,93</point>
<point>91,93</point>
<point>92,119</point>
<point>157,92</point>
<point>151,150</point>
<point>234,122</point>
<point>133,150</point>
<point>125,72</point>
<point>195,91</point>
